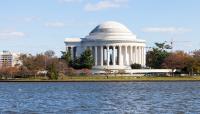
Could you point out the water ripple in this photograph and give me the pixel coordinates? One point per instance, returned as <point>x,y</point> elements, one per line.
<point>100,98</point>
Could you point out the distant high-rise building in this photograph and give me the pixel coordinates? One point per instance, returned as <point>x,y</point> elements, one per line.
<point>9,59</point>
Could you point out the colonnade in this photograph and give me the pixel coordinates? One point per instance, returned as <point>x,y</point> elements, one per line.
<point>122,55</point>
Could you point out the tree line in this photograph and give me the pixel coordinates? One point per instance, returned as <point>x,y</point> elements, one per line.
<point>161,56</point>
<point>49,66</point>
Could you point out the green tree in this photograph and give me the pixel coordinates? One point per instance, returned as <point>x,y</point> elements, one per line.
<point>75,63</point>
<point>66,56</point>
<point>86,59</point>
<point>157,55</point>
<point>53,73</point>
<point>163,46</point>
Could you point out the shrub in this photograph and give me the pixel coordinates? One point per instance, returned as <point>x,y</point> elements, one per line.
<point>85,72</point>
<point>136,66</point>
<point>70,72</point>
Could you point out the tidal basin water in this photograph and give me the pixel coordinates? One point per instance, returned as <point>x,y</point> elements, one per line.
<point>100,98</point>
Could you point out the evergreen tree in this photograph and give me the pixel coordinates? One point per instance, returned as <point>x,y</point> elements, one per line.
<point>66,56</point>
<point>75,63</point>
<point>86,59</point>
<point>53,73</point>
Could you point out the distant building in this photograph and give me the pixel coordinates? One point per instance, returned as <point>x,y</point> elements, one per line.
<point>9,59</point>
<point>113,46</point>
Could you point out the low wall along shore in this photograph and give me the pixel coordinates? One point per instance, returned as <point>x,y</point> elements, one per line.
<point>131,71</point>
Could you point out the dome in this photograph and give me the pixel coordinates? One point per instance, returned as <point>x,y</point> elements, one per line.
<point>111,30</point>
<point>110,27</point>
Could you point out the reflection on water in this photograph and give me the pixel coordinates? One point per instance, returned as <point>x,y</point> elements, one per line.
<point>100,98</point>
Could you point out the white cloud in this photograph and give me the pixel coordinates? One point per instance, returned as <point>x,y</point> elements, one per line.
<point>104,4</point>
<point>31,18</point>
<point>166,29</point>
<point>99,5</point>
<point>69,1</point>
<point>11,34</point>
<point>54,24</point>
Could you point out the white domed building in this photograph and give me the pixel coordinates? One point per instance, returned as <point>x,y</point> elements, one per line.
<point>113,46</point>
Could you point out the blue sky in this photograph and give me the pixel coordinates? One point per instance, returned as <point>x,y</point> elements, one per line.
<point>34,26</point>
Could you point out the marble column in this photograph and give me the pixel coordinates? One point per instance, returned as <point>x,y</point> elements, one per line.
<point>108,55</point>
<point>120,58</point>
<point>140,55</point>
<point>133,54</point>
<point>101,55</point>
<point>126,55</point>
<point>72,52</point>
<point>95,53</point>
<point>113,56</point>
<point>144,56</point>
<point>136,53</point>
<point>131,49</point>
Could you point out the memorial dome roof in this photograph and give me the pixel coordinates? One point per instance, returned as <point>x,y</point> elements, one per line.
<point>111,30</point>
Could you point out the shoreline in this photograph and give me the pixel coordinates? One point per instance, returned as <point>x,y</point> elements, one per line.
<point>8,81</point>
<point>159,79</point>
<point>109,79</point>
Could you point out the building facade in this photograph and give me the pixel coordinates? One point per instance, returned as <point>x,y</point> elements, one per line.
<point>112,44</point>
<point>9,59</point>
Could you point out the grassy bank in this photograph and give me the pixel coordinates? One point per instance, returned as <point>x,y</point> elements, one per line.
<point>110,78</point>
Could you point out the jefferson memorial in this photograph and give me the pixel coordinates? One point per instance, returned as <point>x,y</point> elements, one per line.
<point>112,44</point>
